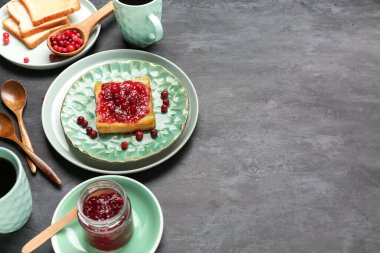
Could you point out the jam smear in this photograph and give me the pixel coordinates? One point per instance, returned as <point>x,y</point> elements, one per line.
<point>103,206</point>
<point>125,102</point>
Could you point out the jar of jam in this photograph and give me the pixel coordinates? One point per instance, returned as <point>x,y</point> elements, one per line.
<point>105,213</point>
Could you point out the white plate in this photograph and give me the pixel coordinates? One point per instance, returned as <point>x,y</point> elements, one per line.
<point>54,97</point>
<point>16,51</point>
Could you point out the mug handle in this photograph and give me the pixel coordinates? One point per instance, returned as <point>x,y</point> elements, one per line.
<point>157,27</point>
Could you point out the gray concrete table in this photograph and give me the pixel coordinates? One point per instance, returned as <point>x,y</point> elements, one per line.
<point>286,153</point>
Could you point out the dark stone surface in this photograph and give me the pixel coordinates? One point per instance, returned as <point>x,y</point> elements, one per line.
<point>286,153</point>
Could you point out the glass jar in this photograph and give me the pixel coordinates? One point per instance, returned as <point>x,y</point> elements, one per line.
<point>114,232</point>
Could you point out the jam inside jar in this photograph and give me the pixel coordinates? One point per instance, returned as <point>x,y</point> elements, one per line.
<point>105,213</point>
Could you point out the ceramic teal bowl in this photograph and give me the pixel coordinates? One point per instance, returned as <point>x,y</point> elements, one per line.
<point>16,205</point>
<point>80,101</point>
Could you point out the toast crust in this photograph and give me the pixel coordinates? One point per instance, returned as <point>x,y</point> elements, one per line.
<point>19,13</point>
<point>32,41</point>
<point>42,11</point>
<point>146,123</point>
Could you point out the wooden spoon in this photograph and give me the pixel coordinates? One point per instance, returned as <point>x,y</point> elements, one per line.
<point>14,97</point>
<point>7,131</point>
<point>50,231</point>
<point>84,28</point>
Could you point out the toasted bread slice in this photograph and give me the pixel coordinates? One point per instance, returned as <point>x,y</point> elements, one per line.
<point>19,13</point>
<point>145,123</point>
<point>32,41</point>
<point>42,11</point>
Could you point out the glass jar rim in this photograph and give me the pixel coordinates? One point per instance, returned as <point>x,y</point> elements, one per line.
<point>96,186</point>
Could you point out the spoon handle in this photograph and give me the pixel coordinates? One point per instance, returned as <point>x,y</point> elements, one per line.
<point>50,231</point>
<point>39,162</point>
<point>89,23</point>
<point>25,139</point>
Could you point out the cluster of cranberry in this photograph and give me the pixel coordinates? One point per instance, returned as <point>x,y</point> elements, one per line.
<point>124,145</point>
<point>165,101</point>
<point>67,41</point>
<point>84,123</point>
<point>139,136</point>
<point>5,38</point>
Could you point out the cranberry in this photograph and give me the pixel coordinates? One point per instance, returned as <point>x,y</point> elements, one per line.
<point>133,110</point>
<point>84,123</point>
<point>166,102</point>
<point>94,134</point>
<point>5,41</point>
<point>164,94</point>
<point>70,48</point>
<point>153,133</point>
<point>114,89</point>
<point>26,60</point>
<point>139,135</point>
<point>52,57</point>
<point>67,33</point>
<point>5,35</point>
<point>75,38</point>
<point>88,130</point>
<point>117,102</point>
<point>80,120</point>
<point>124,145</point>
<point>124,106</point>
<point>164,108</point>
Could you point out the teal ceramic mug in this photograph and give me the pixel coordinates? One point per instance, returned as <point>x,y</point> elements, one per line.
<point>15,195</point>
<point>139,21</point>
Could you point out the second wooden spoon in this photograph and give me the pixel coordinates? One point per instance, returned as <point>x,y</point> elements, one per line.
<point>7,131</point>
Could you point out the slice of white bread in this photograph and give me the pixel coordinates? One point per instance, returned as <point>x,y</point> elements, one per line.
<point>146,123</point>
<point>32,41</point>
<point>42,11</point>
<point>19,13</point>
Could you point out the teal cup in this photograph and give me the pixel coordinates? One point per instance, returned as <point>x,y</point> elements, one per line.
<point>139,21</point>
<point>16,204</point>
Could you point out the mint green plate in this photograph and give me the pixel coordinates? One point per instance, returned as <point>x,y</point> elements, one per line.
<point>51,118</point>
<point>147,218</point>
<point>80,100</point>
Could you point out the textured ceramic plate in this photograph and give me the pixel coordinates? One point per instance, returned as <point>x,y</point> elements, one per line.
<point>16,51</point>
<point>147,218</point>
<point>80,100</point>
<point>53,100</point>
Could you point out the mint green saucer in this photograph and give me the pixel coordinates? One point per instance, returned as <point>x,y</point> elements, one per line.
<point>80,101</point>
<point>147,218</point>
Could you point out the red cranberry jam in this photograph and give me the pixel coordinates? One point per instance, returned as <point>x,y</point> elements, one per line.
<point>103,207</point>
<point>125,102</point>
<point>104,211</point>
